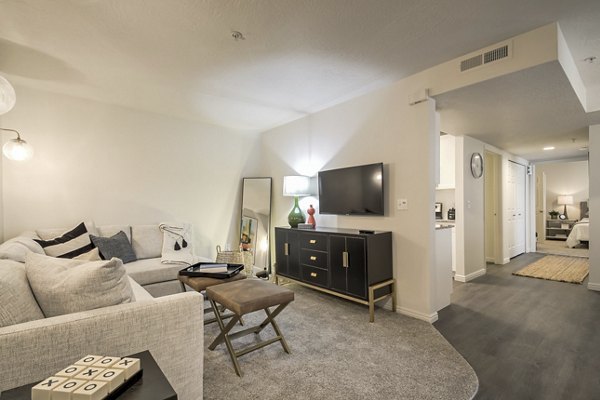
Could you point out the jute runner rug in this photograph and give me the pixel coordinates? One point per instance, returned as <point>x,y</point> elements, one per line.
<point>557,268</point>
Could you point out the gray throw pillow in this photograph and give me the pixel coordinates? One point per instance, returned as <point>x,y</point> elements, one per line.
<point>115,246</point>
<point>63,286</point>
<point>17,303</point>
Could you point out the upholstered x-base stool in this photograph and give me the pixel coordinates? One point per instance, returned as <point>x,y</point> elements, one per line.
<point>244,297</point>
<point>200,283</point>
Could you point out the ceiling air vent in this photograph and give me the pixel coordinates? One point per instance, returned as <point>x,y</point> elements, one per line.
<point>470,63</point>
<point>496,54</point>
<point>486,56</point>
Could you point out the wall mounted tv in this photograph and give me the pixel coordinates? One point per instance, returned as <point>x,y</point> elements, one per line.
<point>352,191</point>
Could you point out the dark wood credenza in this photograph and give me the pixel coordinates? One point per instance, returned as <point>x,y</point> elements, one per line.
<point>342,262</point>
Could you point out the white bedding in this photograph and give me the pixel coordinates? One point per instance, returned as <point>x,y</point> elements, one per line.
<point>580,232</point>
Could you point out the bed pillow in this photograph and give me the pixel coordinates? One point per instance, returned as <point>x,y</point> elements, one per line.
<point>115,246</point>
<point>68,286</point>
<point>17,303</point>
<point>68,245</point>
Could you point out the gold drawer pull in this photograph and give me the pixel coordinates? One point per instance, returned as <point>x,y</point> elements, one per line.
<point>345,259</point>
<point>286,249</point>
<point>313,258</point>
<point>312,241</point>
<point>313,274</point>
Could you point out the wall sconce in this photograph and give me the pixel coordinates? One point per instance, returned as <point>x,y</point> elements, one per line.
<point>17,149</point>
<point>296,185</point>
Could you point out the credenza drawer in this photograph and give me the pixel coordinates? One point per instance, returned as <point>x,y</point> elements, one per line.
<point>313,241</point>
<point>314,276</point>
<point>313,258</point>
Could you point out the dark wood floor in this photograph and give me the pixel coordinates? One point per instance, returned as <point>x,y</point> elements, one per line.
<point>526,338</point>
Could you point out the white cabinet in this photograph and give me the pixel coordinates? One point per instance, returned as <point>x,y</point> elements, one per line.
<point>447,159</point>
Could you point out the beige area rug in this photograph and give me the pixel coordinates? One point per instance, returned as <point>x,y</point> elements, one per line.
<point>557,268</point>
<point>559,247</point>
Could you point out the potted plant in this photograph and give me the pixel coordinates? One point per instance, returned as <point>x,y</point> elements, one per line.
<point>553,214</point>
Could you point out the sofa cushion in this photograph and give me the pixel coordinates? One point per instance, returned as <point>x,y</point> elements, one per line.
<point>146,241</point>
<point>17,248</point>
<point>115,246</point>
<point>70,244</point>
<point>67,286</point>
<point>51,233</point>
<point>151,270</point>
<point>17,303</point>
<point>111,230</point>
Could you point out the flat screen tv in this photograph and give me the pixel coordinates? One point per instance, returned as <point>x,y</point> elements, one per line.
<point>352,191</point>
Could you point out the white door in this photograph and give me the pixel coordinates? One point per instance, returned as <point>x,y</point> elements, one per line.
<point>540,206</point>
<point>516,208</point>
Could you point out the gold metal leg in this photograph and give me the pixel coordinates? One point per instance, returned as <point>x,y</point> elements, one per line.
<point>371,304</point>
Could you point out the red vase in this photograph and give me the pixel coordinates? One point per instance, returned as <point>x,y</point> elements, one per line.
<point>311,216</point>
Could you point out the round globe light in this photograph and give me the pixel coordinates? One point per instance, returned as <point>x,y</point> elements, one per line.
<point>17,150</point>
<point>8,97</point>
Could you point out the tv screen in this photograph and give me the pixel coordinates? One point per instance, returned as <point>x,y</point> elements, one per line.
<point>352,191</point>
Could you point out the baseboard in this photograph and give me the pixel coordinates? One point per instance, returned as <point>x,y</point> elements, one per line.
<point>431,318</point>
<point>506,261</point>
<point>490,260</point>
<point>594,286</point>
<point>469,277</point>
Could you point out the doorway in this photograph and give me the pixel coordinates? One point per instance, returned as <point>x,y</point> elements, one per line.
<point>515,208</point>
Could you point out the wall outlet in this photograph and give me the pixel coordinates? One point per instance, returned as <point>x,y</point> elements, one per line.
<point>402,204</point>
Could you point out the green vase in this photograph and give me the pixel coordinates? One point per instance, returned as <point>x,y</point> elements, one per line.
<point>296,216</point>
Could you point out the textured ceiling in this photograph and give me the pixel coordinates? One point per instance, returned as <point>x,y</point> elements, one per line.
<point>178,57</point>
<point>521,113</point>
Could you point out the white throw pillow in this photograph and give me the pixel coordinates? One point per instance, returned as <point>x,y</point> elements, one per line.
<point>17,248</point>
<point>63,286</point>
<point>17,303</point>
<point>177,244</point>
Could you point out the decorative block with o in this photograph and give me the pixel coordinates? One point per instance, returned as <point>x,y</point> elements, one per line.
<point>43,390</point>
<point>92,390</point>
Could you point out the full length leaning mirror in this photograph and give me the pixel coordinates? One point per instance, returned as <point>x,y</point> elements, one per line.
<point>256,220</point>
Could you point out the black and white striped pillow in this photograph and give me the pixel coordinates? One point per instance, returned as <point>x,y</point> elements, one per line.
<point>70,244</point>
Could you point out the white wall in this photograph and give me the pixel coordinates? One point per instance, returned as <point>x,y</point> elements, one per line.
<point>570,178</point>
<point>594,205</point>
<point>470,245</point>
<point>378,127</point>
<point>118,165</point>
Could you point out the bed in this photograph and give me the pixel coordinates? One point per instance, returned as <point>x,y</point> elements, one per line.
<point>581,230</point>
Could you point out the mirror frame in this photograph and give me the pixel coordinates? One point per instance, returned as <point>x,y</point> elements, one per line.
<point>268,222</point>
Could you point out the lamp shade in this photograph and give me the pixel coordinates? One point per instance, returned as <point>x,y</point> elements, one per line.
<point>17,150</point>
<point>296,185</point>
<point>565,200</point>
<point>7,96</point>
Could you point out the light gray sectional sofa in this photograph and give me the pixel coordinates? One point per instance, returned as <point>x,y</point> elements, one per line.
<point>169,325</point>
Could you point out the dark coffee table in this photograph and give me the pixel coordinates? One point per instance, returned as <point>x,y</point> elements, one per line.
<point>153,385</point>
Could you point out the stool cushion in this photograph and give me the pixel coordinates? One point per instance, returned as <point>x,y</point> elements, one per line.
<point>243,297</point>
<point>200,283</point>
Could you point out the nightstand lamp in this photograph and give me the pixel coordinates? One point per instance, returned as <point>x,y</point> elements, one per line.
<point>296,186</point>
<point>565,200</point>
